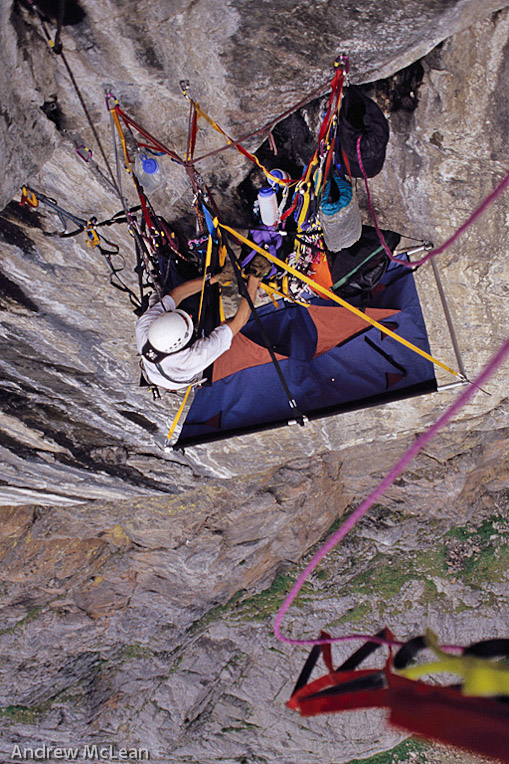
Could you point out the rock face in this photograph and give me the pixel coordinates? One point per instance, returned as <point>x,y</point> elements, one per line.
<point>118,630</point>
<point>76,424</point>
<point>139,589</point>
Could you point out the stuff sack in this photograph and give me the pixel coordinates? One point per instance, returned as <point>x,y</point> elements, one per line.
<point>361,116</point>
<point>339,215</point>
<point>356,270</point>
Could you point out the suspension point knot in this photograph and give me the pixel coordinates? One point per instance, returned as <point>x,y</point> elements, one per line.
<point>184,86</point>
<point>110,97</point>
<point>342,62</point>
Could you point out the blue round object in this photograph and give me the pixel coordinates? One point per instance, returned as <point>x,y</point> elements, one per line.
<point>150,166</point>
<point>275,174</point>
<point>266,191</point>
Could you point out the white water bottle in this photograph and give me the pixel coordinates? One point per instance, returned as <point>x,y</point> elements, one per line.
<point>267,200</point>
<point>149,172</point>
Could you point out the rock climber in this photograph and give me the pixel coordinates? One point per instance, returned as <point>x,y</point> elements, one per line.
<point>172,358</point>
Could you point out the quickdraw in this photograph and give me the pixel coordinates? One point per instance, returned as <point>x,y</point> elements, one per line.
<point>94,240</point>
<point>28,197</point>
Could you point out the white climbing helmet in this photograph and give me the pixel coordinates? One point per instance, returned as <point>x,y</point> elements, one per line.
<point>171,331</point>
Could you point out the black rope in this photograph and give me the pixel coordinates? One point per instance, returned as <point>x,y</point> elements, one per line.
<point>57,48</point>
<point>57,44</point>
<point>244,292</point>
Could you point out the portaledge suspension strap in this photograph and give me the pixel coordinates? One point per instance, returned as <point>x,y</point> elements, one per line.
<point>243,290</point>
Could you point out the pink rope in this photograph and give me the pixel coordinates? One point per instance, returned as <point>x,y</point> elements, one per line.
<point>354,518</point>
<point>461,230</point>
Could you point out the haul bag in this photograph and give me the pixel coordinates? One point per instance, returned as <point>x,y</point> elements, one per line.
<point>360,117</point>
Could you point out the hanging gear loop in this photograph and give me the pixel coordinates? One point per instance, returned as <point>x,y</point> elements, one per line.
<point>93,238</point>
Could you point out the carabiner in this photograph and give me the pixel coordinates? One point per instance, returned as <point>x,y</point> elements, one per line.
<point>28,197</point>
<point>92,237</point>
<point>80,152</point>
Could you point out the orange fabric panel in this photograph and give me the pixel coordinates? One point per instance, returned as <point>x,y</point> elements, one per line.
<point>243,354</point>
<point>321,274</point>
<point>336,324</point>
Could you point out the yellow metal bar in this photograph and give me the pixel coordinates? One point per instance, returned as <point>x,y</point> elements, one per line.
<point>179,413</point>
<point>122,139</point>
<point>331,296</point>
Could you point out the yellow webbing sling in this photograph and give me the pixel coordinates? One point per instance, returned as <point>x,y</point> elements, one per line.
<point>178,414</point>
<point>481,677</point>
<point>241,149</point>
<point>121,136</point>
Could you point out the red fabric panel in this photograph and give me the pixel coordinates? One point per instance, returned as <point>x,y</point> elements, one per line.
<point>348,701</point>
<point>440,713</point>
<point>333,324</point>
<point>336,324</point>
<point>392,379</point>
<point>243,354</point>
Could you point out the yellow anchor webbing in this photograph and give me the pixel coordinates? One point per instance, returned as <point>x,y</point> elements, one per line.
<point>122,139</point>
<point>331,296</point>
<point>240,149</point>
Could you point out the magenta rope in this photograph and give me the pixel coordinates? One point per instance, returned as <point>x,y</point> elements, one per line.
<point>354,518</point>
<point>461,230</point>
